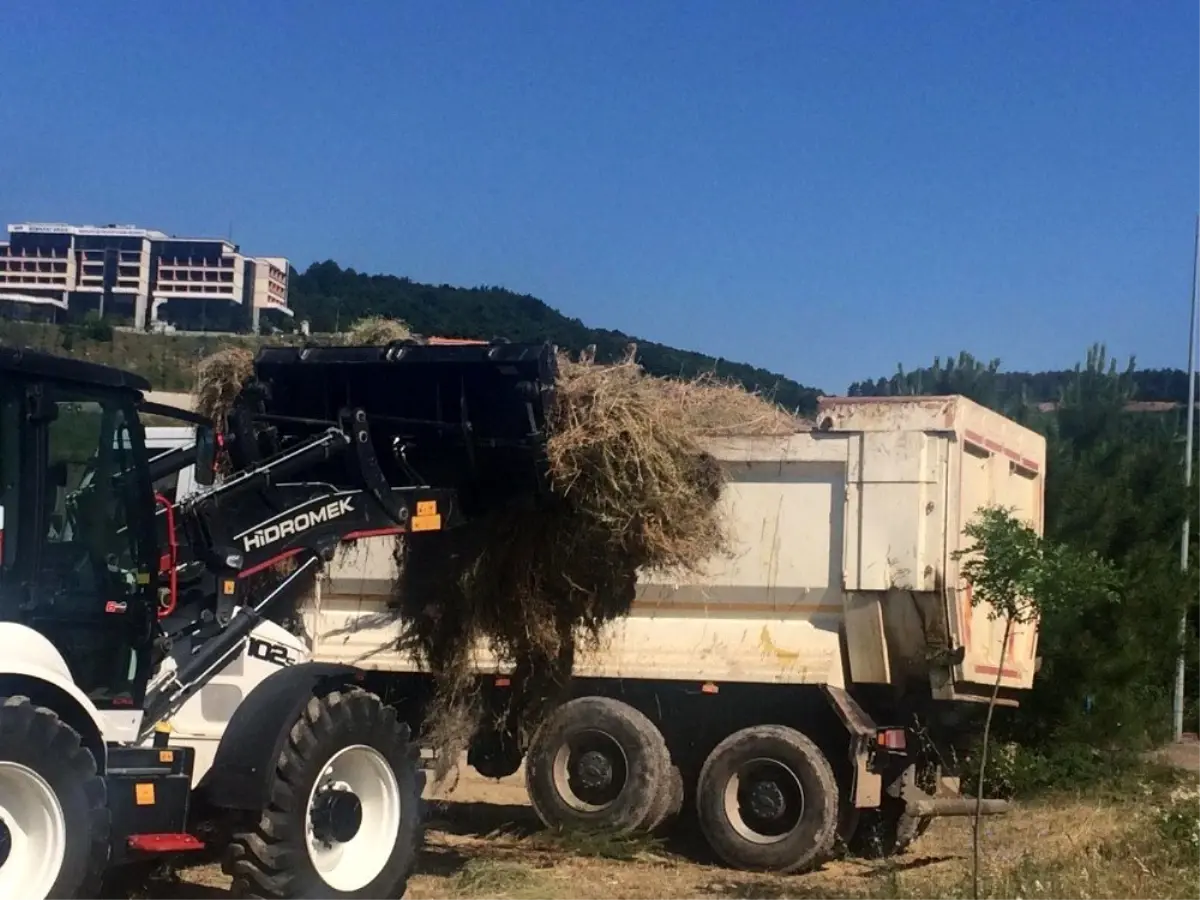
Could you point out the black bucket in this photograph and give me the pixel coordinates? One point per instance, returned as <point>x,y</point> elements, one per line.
<point>466,416</point>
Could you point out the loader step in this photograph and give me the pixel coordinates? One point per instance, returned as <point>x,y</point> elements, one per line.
<point>149,795</point>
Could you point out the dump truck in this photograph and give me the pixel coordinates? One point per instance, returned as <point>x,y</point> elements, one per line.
<point>802,694</point>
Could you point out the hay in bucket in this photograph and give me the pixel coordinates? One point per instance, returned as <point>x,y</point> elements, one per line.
<point>220,378</point>
<point>632,490</point>
<point>377,330</point>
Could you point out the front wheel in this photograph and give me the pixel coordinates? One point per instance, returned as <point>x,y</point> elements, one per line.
<point>54,819</point>
<point>344,814</point>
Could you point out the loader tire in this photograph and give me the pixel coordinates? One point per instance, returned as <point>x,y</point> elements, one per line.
<point>344,815</point>
<point>50,791</point>
<point>597,764</point>
<point>767,800</point>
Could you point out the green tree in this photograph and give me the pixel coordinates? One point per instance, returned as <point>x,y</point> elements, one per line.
<point>1023,577</point>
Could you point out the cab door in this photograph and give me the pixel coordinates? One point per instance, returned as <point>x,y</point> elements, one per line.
<point>90,575</point>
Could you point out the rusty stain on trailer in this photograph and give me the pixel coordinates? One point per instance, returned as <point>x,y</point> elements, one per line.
<point>769,647</point>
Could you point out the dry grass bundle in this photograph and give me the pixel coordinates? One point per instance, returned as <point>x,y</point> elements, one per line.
<point>720,408</point>
<point>219,379</point>
<point>632,490</point>
<point>375,330</point>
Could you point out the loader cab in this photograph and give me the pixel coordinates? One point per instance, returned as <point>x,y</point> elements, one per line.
<point>78,550</point>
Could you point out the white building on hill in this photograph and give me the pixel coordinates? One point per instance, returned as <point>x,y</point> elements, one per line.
<point>59,272</point>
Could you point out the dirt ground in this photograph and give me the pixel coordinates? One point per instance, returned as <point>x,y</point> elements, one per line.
<point>483,840</point>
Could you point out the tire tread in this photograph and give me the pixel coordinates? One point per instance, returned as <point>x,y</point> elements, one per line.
<point>265,862</point>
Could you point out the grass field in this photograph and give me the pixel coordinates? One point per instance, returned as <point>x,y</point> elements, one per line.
<point>1140,838</point>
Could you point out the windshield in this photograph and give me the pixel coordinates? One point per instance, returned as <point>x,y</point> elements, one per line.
<point>90,490</point>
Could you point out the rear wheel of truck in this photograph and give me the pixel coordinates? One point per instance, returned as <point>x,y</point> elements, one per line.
<point>886,831</point>
<point>767,800</point>
<point>670,800</point>
<point>597,763</point>
<point>54,818</point>
<point>344,815</point>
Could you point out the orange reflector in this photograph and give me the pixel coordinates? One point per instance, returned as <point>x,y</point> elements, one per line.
<point>426,523</point>
<point>709,688</point>
<point>426,507</point>
<point>893,739</point>
<point>503,681</point>
<point>143,794</point>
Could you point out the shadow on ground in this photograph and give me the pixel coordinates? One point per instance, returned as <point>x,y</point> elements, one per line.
<point>157,882</point>
<point>480,820</point>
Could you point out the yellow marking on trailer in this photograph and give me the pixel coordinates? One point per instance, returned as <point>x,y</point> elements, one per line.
<point>143,794</point>
<point>166,756</point>
<point>426,508</point>
<point>426,523</point>
<point>229,587</point>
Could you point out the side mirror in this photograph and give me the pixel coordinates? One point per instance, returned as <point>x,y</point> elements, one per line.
<point>206,455</point>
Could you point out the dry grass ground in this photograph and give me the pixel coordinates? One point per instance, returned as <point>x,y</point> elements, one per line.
<point>484,841</point>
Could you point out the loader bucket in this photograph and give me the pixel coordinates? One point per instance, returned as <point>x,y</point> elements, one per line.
<point>468,416</point>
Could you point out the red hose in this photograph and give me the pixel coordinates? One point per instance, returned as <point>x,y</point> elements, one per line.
<point>166,609</point>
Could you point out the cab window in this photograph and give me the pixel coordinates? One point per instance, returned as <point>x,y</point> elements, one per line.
<point>91,488</point>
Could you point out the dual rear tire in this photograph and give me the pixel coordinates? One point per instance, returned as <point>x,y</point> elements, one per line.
<point>767,800</point>
<point>597,763</point>
<point>766,797</point>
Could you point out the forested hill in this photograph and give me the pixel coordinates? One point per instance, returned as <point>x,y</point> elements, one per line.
<point>985,382</point>
<point>331,297</point>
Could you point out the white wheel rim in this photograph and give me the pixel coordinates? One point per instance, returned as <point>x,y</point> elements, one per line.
<point>33,821</point>
<point>351,865</point>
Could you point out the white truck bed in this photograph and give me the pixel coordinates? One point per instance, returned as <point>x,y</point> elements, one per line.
<point>841,570</point>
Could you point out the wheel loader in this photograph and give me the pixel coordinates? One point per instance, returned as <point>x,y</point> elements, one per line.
<point>121,613</point>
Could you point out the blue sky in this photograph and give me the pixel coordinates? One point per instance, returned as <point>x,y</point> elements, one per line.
<point>822,188</point>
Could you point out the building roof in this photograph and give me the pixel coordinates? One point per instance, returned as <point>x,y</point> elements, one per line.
<point>98,230</point>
